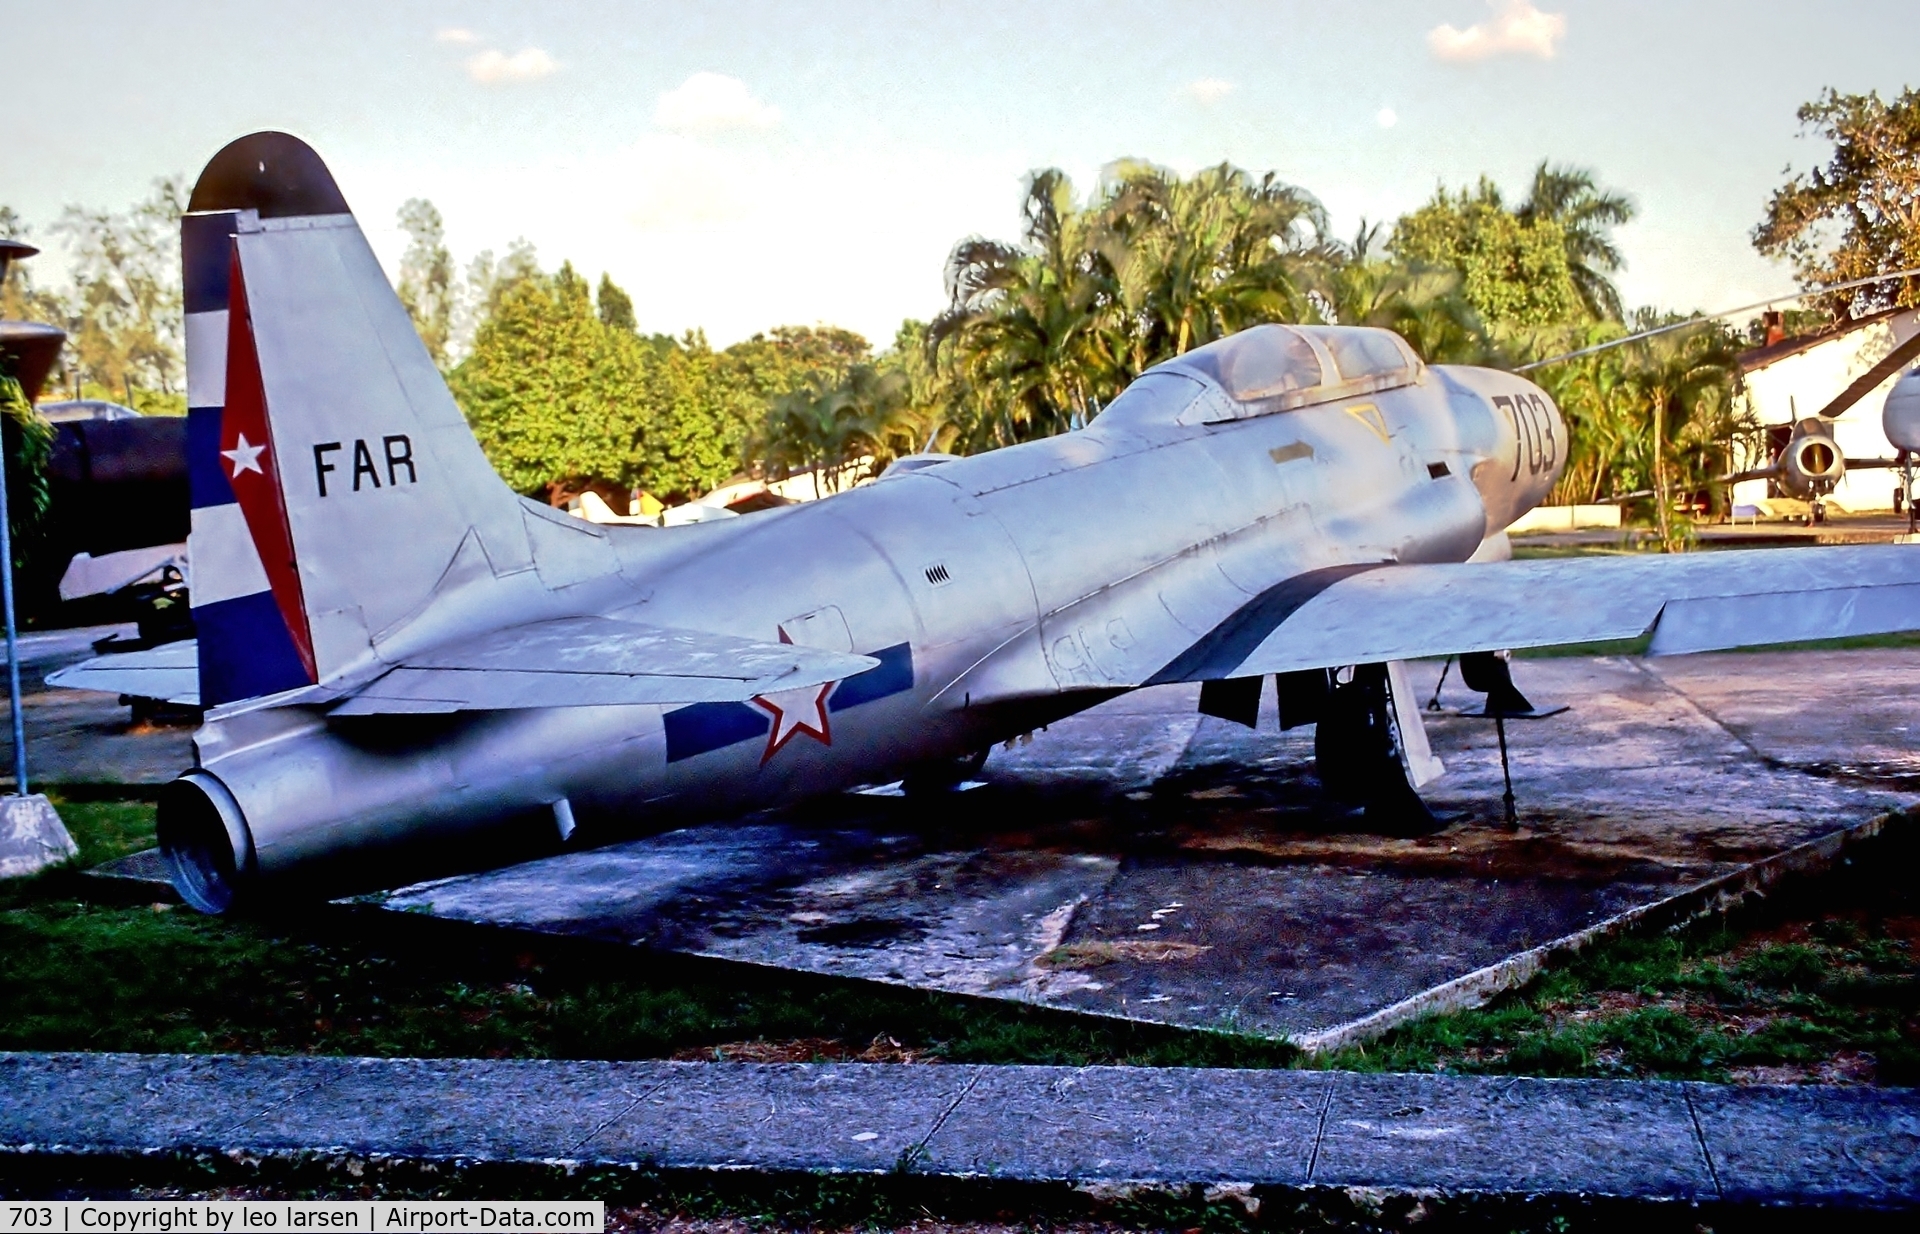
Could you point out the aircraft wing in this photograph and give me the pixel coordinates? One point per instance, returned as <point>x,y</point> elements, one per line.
<point>595,661</point>
<point>1691,602</point>
<point>169,673</point>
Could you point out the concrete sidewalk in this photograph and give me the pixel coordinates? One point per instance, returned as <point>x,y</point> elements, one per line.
<point>1284,1130</point>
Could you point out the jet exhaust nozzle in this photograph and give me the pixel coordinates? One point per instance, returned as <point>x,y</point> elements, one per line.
<point>206,842</point>
<point>1812,463</point>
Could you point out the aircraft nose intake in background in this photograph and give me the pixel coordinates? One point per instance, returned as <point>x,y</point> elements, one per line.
<point>401,658</point>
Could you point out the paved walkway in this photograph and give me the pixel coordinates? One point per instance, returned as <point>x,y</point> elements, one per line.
<point>1284,1129</point>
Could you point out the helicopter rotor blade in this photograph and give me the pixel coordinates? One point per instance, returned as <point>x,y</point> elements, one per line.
<point>1702,319</point>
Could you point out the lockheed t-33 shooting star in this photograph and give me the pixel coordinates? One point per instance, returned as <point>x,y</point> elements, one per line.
<point>396,649</point>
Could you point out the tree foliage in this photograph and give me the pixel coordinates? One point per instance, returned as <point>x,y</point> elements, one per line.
<point>1042,332</point>
<point>1858,214</point>
<point>1514,270</point>
<point>26,445</point>
<point>426,284</point>
<point>122,310</point>
<point>563,394</point>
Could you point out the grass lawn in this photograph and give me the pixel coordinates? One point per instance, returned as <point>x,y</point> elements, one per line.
<point>1825,988</point>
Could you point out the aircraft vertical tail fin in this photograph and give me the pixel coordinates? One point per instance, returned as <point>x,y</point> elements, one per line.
<point>334,480</point>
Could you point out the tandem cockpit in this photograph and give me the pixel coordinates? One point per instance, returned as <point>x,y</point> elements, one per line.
<point>1263,370</point>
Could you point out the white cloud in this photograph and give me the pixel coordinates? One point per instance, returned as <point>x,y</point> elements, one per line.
<point>711,103</point>
<point>668,182</point>
<point>1387,117</point>
<point>1207,90</point>
<point>456,35</point>
<point>1517,28</point>
<point>492,66</point>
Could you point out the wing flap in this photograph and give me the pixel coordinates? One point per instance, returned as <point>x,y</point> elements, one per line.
<point>595,661</point>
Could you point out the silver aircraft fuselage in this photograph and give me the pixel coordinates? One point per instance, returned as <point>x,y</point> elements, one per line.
<point>984,577</point>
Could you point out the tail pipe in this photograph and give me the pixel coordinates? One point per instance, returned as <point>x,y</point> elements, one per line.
<point>206,843</point>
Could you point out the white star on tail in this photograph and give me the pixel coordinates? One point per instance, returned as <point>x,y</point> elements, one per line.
<point>244,457</point>
<point>795,711</point>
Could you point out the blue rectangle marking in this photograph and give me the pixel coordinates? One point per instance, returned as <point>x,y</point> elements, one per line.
<point>702,727</point>
<point>893,675</point>
<point>207,483</point>
<point>245,650</point>
<point>206,260</point>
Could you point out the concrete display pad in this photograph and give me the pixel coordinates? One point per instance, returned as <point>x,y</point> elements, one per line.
<point>1262,1130</point>
<point>1140,860</point>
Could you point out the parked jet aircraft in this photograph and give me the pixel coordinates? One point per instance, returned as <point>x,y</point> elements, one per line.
<point>394,647</point>
<point>1811,465</point>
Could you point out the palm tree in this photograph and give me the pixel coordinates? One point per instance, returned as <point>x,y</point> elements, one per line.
<point>1197,259</point>
<point>823,426</point>
<point>1423,304</point>
<point>1683,386</point>
<point>1586,214</point>
<point>1044,331</point>
<point>1021,322</point>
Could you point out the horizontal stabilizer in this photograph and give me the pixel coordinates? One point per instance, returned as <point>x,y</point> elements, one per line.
<point>169,673</point>
<point>1689,602</point>
<point>596,661</point>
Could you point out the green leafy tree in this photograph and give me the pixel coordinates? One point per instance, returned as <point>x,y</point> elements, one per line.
<point>696,417</point>
<point>427,284</point>
<point>1586,214</point>
<point>824,427</point>
<point>487,280</point>
<point>123,318</point>
<point>1199,258</point>
<point>1514,270</point>
<point>615,306</point>
<point>1868,192</point>
<point>27,440</point>
<point>1041,333</point>
<point>1022,325</point>
<point>553,404</point>
<point>789,358</point>
<point>1360,286</point>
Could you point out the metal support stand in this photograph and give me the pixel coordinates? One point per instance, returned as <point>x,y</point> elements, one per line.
<point>1433,704</point>
<point>13,648</point>
<point>1506,773</point>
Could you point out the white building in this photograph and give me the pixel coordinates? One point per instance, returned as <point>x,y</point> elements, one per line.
<point>1794,378</point>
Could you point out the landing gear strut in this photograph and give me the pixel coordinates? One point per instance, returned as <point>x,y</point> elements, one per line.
<point>1356,746</point>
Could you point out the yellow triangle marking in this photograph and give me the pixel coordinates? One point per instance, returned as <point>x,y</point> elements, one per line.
<point>1370,416</point>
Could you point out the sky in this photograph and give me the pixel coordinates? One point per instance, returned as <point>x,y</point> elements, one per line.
<point>738,165</point>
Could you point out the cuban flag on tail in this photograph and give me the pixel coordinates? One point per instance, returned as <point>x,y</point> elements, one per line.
<point>247,602</point>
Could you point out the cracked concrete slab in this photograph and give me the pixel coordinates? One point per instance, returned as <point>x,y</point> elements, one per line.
<point>1776,1145</point>
<point>1114,1123</point>
<point>1296,1131</point>
<point>1478,1134</point>
<point>784,1116</point>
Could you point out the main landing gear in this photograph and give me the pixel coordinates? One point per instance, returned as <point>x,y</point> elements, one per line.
<point>1369,743</point>
<point>1362,751</point>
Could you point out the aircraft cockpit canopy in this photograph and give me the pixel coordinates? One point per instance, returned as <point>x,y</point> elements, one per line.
<point>1274,368</point>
